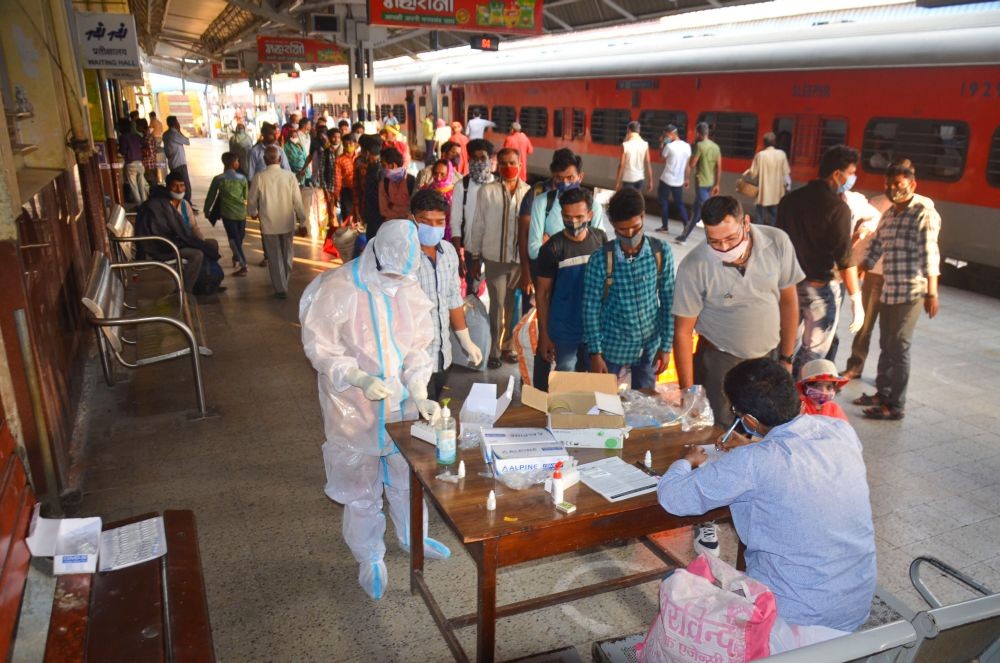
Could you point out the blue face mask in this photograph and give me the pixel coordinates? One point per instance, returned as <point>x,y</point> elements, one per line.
<point>429,235</point>
<point>846,186</point>
<point>563,187</point>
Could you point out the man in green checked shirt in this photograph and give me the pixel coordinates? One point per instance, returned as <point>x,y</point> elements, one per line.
<point>628,292</point>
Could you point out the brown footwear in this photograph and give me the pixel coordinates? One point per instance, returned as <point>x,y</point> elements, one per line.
<point>869,399</point>
<point>883,413</point>
<point>850,374</point>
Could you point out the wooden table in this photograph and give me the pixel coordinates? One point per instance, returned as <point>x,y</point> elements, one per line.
<point>537,529</point>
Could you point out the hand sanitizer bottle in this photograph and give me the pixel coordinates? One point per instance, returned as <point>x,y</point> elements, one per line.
<point>445,433</point>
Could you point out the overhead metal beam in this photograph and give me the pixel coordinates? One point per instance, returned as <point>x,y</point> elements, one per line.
<point>555,19</point>
<point>618,8</point>
<point>264,10</point>
<point>402,36</point>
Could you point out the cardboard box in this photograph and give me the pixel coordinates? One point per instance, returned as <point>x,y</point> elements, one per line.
<point>584,409</point>
<point>482,408</point>
<point>590,438</point>
<point>527,456</point>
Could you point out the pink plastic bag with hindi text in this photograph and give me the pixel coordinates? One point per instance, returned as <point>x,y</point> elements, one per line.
<point>710,612</point>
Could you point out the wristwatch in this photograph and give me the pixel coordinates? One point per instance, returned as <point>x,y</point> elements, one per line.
<point>788,359</point>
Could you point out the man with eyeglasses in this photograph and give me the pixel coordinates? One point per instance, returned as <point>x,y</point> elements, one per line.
<point>797,490</point>
<point>737,290</point>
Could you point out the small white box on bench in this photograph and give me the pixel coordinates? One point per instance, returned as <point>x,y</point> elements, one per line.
<point>72,543</point>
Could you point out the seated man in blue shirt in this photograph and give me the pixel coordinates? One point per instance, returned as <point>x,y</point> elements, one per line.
<point>798,495</point>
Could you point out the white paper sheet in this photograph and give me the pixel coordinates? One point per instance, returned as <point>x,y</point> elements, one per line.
<point>616,480</point>
<point>133,544</point>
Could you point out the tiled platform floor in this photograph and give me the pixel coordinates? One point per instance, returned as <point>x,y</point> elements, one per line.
<point>281,582</point>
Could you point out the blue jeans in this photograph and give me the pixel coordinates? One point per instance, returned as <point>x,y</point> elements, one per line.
<point>665,192</point>
<point>236,231</point>
<point>572,357</point>
<point>637,185</point>
<point>701,194</point>
<point>819,309</point>
<point>767,215</point>
<point>643,376</point>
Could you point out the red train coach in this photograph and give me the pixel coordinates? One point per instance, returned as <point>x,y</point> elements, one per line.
<point>926,89</point>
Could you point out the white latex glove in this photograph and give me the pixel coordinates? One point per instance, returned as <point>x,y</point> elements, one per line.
<point>427,408</point>
<point>375,389</point>
<point>471,349</point>
<point>858,311</point>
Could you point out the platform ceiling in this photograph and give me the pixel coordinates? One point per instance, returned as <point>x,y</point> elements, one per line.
<point>182,37</point>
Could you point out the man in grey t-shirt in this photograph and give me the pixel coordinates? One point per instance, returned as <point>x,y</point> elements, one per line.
<point>737,290</point>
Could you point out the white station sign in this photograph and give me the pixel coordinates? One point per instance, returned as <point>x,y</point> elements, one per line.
<point>107,41</point>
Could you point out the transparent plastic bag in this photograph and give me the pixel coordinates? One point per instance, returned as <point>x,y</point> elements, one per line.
<point>643,411</point>
<point>522,480</point>
<point>695,410</point>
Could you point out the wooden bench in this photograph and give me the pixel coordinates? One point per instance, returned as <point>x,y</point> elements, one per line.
<point>155,611</point>
<point>104,299</point>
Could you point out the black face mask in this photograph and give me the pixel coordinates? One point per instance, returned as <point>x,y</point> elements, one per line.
<point>575,230</point>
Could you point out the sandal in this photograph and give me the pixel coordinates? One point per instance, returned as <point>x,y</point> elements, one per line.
<point>883,413</point>
<point>869,399</point>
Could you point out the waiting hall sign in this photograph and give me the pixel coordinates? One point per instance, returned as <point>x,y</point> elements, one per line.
<point>494,16</point>
<point>107,41</point>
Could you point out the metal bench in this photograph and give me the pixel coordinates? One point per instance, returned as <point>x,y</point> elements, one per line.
<point>104,299</point>
<point>121,232</point>
<point>966,631</point>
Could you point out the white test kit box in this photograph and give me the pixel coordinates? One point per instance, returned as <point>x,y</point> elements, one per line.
<point>482,407</point>
<point>72,543</point>
<point>527,456</point>
<point>590,438</point>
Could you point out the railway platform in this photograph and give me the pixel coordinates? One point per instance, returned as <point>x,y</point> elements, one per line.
<point>281,582</point>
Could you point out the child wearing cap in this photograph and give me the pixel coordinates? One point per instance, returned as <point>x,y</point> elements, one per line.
<point>819,385</point>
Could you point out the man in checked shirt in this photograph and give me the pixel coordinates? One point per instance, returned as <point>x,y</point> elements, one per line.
<point>907,241</point>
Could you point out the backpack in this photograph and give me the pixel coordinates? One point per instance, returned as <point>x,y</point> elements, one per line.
<point>411,182</point>
<point>465,199</point>
<point>609,258</point>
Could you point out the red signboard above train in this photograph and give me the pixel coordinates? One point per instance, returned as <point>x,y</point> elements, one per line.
<point>275,50</point>
<point>494,16</point>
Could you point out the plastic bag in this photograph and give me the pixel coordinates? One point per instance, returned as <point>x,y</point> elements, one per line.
<point>710,612</point>
<point>526,340</point>
<point>522,480</point>
<point>642,411</point>
<point>478,320</point>
<point>692,405</point>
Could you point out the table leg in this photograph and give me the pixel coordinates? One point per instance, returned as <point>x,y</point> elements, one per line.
<point>487,603</point>
<point>416,530</point>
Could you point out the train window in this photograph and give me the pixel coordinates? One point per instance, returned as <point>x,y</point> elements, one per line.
<point>399,110</point>
<point>534,120</point>
<point>736,133</point>
<point>653,122</point>
<point>831,132</point>
<point>937,148</point>
<point>579,123</point>
<point>608,125</point>
<point>502,117</point>
<point>484,111</point>
<point>993,161</point>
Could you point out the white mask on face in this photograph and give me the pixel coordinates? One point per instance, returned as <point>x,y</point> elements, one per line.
<point>177,195</point>
<point>735,253</point>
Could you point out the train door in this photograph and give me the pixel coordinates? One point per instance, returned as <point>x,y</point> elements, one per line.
<point>458,104</point>
<point>804,138</point>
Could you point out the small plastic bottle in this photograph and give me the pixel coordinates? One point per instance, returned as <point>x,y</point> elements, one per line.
<point>445,433</point>
<point>557,484</point>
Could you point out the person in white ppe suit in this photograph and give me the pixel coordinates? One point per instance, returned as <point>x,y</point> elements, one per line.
<point>366,328</point>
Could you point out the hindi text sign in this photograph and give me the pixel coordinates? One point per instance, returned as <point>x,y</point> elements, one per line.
<point>107,41</point>
<point>492,16</point>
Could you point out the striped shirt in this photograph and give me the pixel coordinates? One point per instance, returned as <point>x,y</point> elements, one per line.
<point>907,242</point>
<point>439,281</point>
<point>635,317</point>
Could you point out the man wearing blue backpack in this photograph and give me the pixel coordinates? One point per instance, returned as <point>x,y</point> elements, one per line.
<point>628,292</point>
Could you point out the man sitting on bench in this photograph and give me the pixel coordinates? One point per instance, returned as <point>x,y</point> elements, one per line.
<point>798,494</point>
<point>166,214</point>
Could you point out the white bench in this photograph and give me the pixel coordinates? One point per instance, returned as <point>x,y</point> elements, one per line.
<point>104,299</point>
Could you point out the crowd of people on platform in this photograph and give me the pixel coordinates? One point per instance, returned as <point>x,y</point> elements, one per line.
<point>750,314</point>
